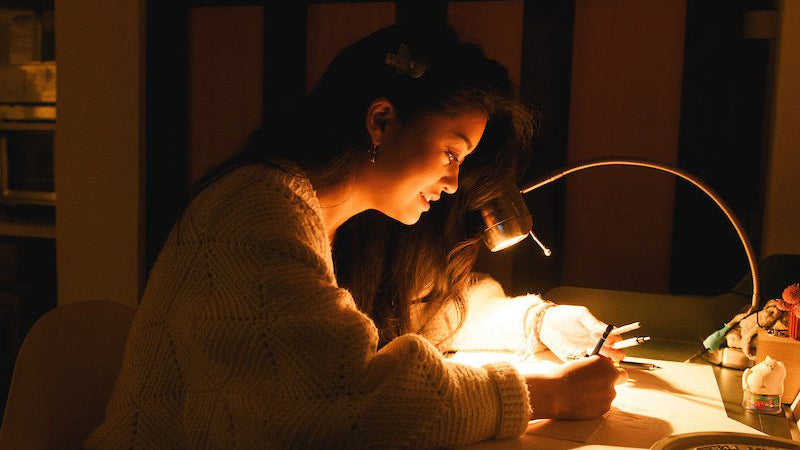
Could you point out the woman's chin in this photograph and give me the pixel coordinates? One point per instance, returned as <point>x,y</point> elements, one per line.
<point>410,219</point>
<point>406,218</point>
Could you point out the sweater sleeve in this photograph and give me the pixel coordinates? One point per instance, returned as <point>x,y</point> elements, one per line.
<point>492,321</point>
<point>282,354</point>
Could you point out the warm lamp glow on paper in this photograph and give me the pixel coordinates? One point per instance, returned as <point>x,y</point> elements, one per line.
<point>651,405</point>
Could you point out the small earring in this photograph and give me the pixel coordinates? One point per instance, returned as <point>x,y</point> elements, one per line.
<point>372,153</point>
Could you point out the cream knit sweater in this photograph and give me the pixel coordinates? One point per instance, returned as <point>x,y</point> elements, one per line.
<point>243,340</point>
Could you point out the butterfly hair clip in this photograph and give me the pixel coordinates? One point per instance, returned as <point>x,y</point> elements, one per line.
<point>403,64</point>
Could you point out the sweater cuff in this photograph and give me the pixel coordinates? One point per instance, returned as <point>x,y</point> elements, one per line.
<point>514,402</point>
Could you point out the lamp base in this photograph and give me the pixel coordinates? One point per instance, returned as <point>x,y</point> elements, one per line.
<point>732,358</point>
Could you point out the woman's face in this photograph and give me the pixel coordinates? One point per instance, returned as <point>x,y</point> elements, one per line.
<point>419,161</point>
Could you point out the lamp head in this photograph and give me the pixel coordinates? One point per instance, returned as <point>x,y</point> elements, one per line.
<point>507,220</point>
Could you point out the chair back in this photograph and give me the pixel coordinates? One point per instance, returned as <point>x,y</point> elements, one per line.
<point>63,376</point>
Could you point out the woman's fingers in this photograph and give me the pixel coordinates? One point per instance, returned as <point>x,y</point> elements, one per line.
<point>616,355</point>
<point>591,323</point>
<point>622,376</point>
<point>581,389</point>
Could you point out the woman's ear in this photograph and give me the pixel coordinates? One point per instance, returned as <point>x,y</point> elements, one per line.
<point>381,117</point>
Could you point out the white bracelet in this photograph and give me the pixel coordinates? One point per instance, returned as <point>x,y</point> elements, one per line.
<point>531,332</point>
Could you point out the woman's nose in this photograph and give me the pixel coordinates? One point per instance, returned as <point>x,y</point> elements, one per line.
<point>450,181</point>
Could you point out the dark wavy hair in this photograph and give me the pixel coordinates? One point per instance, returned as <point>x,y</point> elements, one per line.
<point>386,265</point>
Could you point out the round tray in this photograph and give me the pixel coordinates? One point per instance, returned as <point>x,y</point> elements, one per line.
<point>724,440</point>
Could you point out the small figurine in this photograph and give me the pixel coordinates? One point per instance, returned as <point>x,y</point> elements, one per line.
<point>780,316</point>
<point>763,386</point>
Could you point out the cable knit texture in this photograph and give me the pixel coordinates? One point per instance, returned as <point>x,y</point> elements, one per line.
<point>243,340</point>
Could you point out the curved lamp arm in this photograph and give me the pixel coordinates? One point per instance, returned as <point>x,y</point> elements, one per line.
<point>583,165</point>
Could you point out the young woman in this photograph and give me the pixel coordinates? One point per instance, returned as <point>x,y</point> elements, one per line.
<point>247,337</point>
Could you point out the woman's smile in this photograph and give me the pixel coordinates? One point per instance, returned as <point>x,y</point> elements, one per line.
<point>428,198</point>
<point>425,201</point>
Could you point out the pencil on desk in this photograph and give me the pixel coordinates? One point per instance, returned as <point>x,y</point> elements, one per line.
<point>638,365</point>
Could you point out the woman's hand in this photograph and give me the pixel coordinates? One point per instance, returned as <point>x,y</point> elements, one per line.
<point>581,389</point>
<point>572,331</point>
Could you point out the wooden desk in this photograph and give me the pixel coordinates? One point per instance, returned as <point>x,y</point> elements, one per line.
<point>730,387</point>
<point>677,325</point>
<point>668,393</point>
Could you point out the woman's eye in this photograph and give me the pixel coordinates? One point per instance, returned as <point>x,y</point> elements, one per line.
<point>452,157</point>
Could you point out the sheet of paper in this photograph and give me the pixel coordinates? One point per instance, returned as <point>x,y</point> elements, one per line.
<point>651,405</point>
<point>570,430</point>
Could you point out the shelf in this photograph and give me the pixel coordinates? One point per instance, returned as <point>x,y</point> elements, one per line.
<point>27,126</point>
<point>27,227</point>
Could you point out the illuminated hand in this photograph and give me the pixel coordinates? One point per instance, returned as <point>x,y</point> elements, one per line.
<point>572,331</point>
<point>580,389</point>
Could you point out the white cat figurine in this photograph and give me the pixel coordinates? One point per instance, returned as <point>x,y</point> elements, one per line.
<point>765,378</point>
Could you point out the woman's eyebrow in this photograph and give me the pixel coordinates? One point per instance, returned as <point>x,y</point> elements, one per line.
<point>464,138</point>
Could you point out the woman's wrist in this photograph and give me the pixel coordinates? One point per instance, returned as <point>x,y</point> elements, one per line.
<point>538,320</point>
<point>543,403</point>
<point>532,324</point>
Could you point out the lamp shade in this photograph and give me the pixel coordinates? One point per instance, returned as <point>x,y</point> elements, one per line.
<point>507,220</point>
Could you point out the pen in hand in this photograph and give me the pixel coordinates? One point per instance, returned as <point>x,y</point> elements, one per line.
<point>602,340</point>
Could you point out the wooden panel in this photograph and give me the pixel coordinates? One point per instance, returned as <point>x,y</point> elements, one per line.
<point>225,83</point>
<point>625,100</point>
<point>334,26</point>
<point>495,25</point>
<point>99,150</point>
<point>781,215</point>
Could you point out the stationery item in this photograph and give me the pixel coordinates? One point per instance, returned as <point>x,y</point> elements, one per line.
<point>602,340</point>
<point>630,342</point>
<point>625,328</point>
<point>638,365</point>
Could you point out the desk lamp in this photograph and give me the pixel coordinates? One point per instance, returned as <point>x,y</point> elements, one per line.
<point>508,221</point>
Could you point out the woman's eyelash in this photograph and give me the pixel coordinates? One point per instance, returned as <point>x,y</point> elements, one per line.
<point>451,155</point>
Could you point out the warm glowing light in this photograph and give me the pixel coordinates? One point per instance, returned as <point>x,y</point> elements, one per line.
<point>508,243</point>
